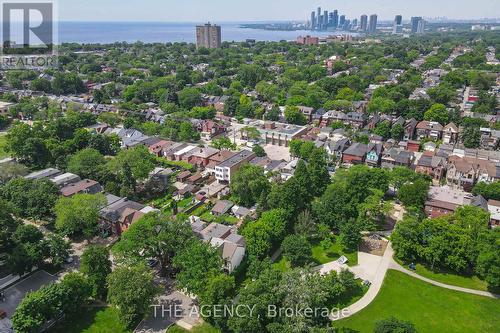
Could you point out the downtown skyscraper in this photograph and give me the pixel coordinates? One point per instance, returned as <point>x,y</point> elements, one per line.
<point>398,25</point>
<point>372,25</point>
<point>363,23</point>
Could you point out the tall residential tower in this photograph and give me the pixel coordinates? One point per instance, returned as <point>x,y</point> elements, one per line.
<point>208,36</point>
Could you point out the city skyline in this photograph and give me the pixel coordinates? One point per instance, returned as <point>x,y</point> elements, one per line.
<point>260,10</point>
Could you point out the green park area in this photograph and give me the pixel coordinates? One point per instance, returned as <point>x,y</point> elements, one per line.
<point>321,255</point>
<point>451,278</point>
<point>431,309</point>
<point>92,320</point>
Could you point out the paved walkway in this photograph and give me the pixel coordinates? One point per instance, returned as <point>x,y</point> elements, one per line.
<point>376,284</point>
<point>394,265</point>
<point>386,263</point>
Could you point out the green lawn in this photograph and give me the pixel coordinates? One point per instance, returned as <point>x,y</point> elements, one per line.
<point>322,256</point>
<point>205,328</point>
<point>448,277</point>
<point>92,320</point>
<point>432,309</point>
<point>3,142</point>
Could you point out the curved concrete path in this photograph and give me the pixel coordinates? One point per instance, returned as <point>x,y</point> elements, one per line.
<point>389,263</point>
<point>396,266</point>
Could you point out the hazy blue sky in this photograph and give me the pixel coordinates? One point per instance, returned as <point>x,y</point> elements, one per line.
<point>255,10</point>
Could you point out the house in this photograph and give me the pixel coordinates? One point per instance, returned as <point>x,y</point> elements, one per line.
<point>335,149</point>
<point>159,147</point>
<point>184,153</point>
<point>65,179</point>
<point>195,179</point>
<point>183,176</point>
<point>355,154</point>
<point>209,129</point>
<point>308,112</point>
<point>43,174</point>
<point>200,157</point>
<point>85,186</point>
<point>356,119</point>
<point>222,207</point>
<point>119,213</point>
<point>444,200</point>
<point>413,146</point>
<point>241,212</point>
<point>218,158</point>
<point>227,168</point>
<point>4,108</point>
<point>431,165</point>
<point>429,129</point>
<point>450,133</point>
<point>494,209</point>
<point>397,157</point>
<point>230,245</point>
<point>373,154</point>
<point>464,172</point>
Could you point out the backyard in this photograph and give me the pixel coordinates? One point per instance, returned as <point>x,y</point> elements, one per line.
<point>430,308</point>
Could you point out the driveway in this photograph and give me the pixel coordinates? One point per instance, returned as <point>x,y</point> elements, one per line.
<point>175,308</point>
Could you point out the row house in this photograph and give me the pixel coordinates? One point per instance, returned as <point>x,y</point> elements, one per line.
<point>444,200</point>
<point>429,164</point>
<point>354,119</point>
<point>450,133</point>
<point>409,129</point>
<point>429,129</point>
<point>359,153</point>
<point>490,139</point>
<point>397,157</point>
<point>465,172</point>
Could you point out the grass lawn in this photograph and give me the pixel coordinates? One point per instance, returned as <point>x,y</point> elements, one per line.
<point>92,320</point>
<point>226,219</point>
<point>432,309</point>
<point>449,277</point>
<point>322,256</point>
<point>205,328</point>
<point>3,142</point>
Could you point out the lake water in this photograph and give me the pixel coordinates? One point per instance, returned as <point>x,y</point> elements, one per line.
<point>149,32</point>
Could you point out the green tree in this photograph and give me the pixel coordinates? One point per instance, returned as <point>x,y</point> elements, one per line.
<point>297,249</point>
<point>223,143</point>
<point>397,132</point>
<point>350,235</point>
<point>438,113</point>
<point>249,184</point>
<point>189,98</point>
<point>87,163</point>
<point>30,198</point>
<point>263,233</point>
<point>197,263</point>
<point>131,290</point>
<point>259,151</point>
<point>96,265</point>
<point>414,194</point>
<point>58,249</point>
<point>154,236</point>
<point>79,214</point>
<point>293,115</point>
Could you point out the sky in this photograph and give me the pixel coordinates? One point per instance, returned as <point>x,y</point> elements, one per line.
<point>266,10</point>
